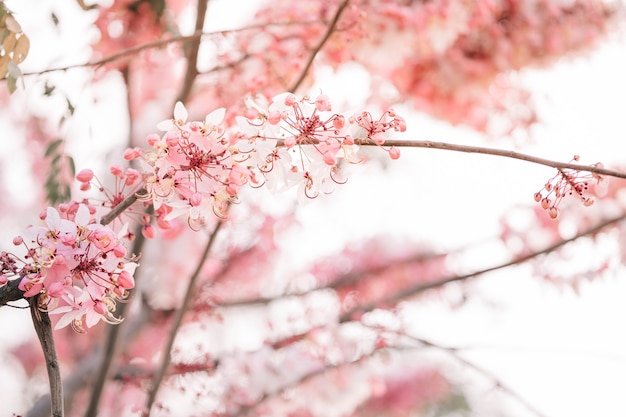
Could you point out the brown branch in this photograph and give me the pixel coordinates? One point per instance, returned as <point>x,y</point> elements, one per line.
<point>43,327</point>
<point>497,152</point>
<point>416,289</point>
<point>163,42</point>
<point>192,53</point>
<point>329,31</point>
<point>177,321</point>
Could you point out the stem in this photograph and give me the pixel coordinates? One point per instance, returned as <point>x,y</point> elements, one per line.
<point>43,327</point>
<point>177,321</point>
<point>497,152</point>
<point>329,31</point>
<point>117,210</point>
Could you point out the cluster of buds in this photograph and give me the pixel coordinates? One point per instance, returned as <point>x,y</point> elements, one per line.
<point>78,267</point>
<point>567,182</point>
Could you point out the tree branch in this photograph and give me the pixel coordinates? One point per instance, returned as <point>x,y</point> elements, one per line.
<point>43,327</point>
<point>329,31</point>
<point>192,53</point>
<point>497,152</point>
<point>176,323</point>
<point>416,289</point>
<point>163,42</point>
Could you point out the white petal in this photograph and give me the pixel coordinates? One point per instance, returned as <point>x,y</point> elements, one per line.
<point>180,112</point>
<point>215,117</point>
<point>165,125</point>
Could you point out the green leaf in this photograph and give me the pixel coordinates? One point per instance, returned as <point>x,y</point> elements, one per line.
<point>53,146</point>
<point>70,161</point>
<point>48,89</point>
<point>70,107</point>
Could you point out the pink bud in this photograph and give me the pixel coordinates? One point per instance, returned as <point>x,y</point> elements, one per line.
<point>394,153</point>
<point>322,103</point>
<point>339,122</point>
<point>131,176</point>
<point>132,153</point>
<point>126,280</point>
<point>99,307</point>
<point>152,139</point>
<point>553,212</point>
<point>290,142</point>
<point>171,139</point>
<point>85,175</point>
<point>120,251</point>
<point>290,100</point>
<point>274,117</point>
<point>148,231</point>
<point>17,240</point>
<point>196,199</point>
<point>116,170</point>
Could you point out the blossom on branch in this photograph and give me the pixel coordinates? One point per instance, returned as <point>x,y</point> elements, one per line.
<point>196,169</point>
<point>567,182</point>
<point>79,267</point>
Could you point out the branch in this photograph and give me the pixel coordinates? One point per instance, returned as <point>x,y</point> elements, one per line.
<point>177,321</point>
<point>416,289</point>
<point>192,53</point>
<point>454,353</point>
<point>163,42</point>
<point>43,327</point>
<point>344,280</point>
<point>497,152</point>
<point>112,342</point>
<point>329,31</point>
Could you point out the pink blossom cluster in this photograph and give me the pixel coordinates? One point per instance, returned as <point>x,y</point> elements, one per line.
<point>196,169</point>
<point>78,267</point>
<point>567,182</point>
<point>448,58</point>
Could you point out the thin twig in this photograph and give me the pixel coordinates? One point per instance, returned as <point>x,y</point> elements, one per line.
<point>454,353</point>
<point>329,31</point>
<point>416,289</point>
<point>177,321</point>
<point>498,152</point>
<point>43,327</point>
<point>163,42</point>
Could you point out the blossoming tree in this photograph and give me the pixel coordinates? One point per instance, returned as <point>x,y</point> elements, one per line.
<point>169,233</point>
